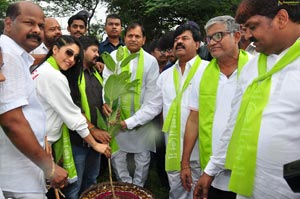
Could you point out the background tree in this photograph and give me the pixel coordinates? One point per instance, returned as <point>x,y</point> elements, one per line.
<point>158,16</point>
<point>58,8</point>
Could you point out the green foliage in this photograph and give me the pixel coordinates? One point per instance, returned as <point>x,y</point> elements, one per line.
<point>117,85</point>
<point>109,61</point>
<point>159,16</point>
<point>3,7</point>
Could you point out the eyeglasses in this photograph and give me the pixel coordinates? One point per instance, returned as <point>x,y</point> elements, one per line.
<point>217,37</point>
<point>70,53</point>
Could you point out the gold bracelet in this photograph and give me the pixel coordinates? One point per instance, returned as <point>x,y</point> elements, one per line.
<point>52,171</point>
<point>186,167</point>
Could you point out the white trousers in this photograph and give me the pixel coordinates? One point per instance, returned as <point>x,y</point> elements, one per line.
<point>141,162</point>
<point>176,189</point>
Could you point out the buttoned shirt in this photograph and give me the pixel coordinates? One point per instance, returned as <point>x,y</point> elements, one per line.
<point>18,91</point>
<point>106,46</point>
<point>41,49</point>
<point>225,94</point>
<point>167,91</point>
<point>279,135</point>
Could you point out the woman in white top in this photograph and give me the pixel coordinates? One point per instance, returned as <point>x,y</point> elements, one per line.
<point>56,82</point>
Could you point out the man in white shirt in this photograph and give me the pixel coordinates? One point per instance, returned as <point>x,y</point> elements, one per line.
<point>263,130</point>
<point>52,31</point>
<point>210,99</point>
<point>22,119</point>
<point>137,135</point>
<point>174,85</point>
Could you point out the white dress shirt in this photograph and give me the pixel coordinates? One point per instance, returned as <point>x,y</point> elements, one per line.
<point>18,91</point>
<point>279,136</point>
<point>166,86</point>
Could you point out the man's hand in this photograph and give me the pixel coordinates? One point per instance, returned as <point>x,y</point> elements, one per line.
<point>99,66</point>
<point>123,125</point>
<point>202,186</point>
<point>101,136</point>
<point>58,176</point>
<point>186,178</point>
<point>106,110</point>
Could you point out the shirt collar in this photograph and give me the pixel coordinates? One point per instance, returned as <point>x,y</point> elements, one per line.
<point>17,49</point>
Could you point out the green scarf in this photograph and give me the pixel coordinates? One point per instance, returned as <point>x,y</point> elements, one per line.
<point>62,148</point>
<point>127,99</point>
<point>242,149</point>
<point>207,104</point>
<point>172,122</point>
<point>82,87</point>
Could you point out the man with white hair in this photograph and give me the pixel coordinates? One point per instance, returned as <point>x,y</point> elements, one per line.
<point>210,100</point>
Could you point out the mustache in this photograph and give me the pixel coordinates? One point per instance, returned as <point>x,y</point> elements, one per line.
<point>179,45</point>
<point>253,39</point>
<point>34,36</point>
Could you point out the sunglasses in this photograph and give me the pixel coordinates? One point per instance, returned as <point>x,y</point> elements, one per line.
<point>217,37</point>
<point>70,53</point>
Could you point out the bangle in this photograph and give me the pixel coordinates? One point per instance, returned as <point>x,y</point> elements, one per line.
<point>92,128</point>
<point>186,167</point>
<point>52,171</point>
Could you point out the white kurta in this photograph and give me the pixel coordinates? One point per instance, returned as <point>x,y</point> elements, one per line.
<point>141,133</point>
<point>279,136</point>
<point>53,91</point>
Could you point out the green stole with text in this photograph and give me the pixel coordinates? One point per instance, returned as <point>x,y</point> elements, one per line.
<point>172,124</point>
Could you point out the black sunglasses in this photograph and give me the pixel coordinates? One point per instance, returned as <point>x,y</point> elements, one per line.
<point>70,53</point>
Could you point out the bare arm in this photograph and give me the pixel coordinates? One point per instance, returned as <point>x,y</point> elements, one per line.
<point>190,137</point>
<point>18,130</point>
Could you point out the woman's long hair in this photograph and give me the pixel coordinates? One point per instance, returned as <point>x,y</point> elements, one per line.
<point>72,74</point>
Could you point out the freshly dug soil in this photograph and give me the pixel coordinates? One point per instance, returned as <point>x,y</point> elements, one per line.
<point>122,191</point>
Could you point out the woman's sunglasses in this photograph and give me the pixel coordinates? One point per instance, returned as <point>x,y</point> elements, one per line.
<point>70,53</point>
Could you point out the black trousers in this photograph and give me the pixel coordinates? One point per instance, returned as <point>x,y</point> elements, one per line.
<point>214,193</point>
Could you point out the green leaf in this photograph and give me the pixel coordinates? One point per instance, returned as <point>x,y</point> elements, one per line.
<point>128,59</point>
<point>101,123</point>
<point>120,54</point>
<point>109,61</point>
<point>114,129</point>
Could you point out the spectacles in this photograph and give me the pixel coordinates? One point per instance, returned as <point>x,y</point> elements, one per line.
<point>217,37</point>
<point>70,53</point>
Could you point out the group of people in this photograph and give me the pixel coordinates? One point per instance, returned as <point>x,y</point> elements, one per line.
<point>229,117</point>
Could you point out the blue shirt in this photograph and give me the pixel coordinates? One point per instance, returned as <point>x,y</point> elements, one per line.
<point>108,47</point>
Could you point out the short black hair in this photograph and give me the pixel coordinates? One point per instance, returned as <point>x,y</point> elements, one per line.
<point>113,16</point>
<point>87,41</point>
<point>134,25</point>
<point>13,10</point>
<point>166,41</point>
<point>187,27</point>
<point>77,17</point>
<point>267,8</point>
